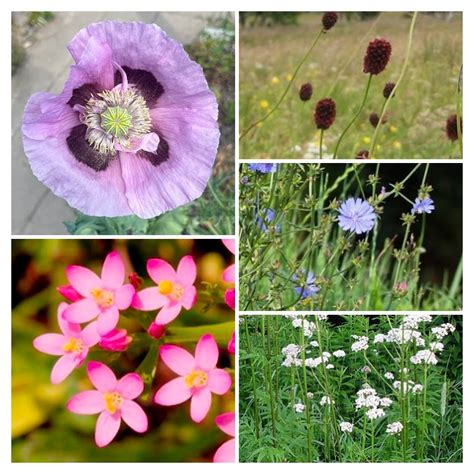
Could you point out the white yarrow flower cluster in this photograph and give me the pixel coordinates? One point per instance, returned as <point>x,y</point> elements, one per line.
<point>339,354</point>
<point>408,387</point>
<point>394,428</point>
<point>442,331</point>
<point>308,326</point>
<point>389,376</point>
<point>424,357</point>
<point>326,400</point>
<point>413,320</point>
<point>367,398</point>
<point>291,353</point>
<point>346,427</point>
<point>299,407</point>
<point>361,343</point>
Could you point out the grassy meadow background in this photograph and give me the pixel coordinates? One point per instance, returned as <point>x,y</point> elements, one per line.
<point>416,116</point>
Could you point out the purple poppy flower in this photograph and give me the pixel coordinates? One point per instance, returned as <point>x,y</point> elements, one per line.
<point>356,215</point>
<point>134,130</point>
<point>263,167</point>
<point>423,205</point>
<point>307,287</point>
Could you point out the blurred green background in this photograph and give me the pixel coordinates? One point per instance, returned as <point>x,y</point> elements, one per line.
<point>42,429</point>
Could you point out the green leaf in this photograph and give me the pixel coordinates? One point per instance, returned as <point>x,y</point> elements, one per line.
<point>222,333</point>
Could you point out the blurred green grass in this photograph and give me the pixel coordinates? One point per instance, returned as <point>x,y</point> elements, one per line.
<point>42,429</point>
<point>417,114</point>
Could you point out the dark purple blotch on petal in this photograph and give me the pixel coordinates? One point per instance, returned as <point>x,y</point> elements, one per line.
<point>144,81</point>
<point>84,153</point>
<point>82,94</point>
<point>160,155</point>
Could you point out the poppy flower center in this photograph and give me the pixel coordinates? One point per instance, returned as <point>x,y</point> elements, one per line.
<point>173,290</point>
<point>74,345</point>
<point>103,298</point>
<point>113,401</point>
<point>115,119</point>
<point>196,379</point>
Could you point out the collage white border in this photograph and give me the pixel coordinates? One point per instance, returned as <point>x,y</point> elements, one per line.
<point>229,5</point>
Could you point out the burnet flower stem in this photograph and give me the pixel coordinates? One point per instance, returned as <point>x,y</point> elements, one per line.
<point>290,83</point>
<point>359,111</point>
<point>397,83</point>
<point>321,145</point>
<point>459,113</point>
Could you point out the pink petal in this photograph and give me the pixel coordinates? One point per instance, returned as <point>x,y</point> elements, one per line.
<point>218,381</point>
<point>124,296</point>
<point>230,244</point>
<point>189,297</point>
<point>50,343</point>
<point>186,270</point>
<point>207,352</point>
<point>106,428</point>
<point>88,402</point>
<point>130,386</point>
<point>101,376</point>
<point>90,336</point>
<point>69,293</point>
<point>81,311</point>
<point>179,360</point>
<point>225,452</point>
<point>149,299</point>
<point>229,274</point>
<point>200,404</point>
<point>134,416</point>
<point>63,367</point>
<point>229,298</point>
<point>168,312</point>
<point>67,328</point>
<point>173,393</point>
<point>226,422</point>
<point>113,271</point>
<point>82,279</point>
<point>160,270</point>
<point>108,320</point>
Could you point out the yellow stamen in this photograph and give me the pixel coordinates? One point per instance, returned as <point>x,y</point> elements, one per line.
<point>113,401</point>
<point>196,379</point>
<point>103,298</point>
<point>74,345</point>
<point>165,287</point>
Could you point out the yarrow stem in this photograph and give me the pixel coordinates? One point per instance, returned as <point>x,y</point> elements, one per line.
<point>349,125</point>
<point>397,83</point>
<point>290,83</point>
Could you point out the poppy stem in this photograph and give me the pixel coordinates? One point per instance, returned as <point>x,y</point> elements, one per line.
<point>280,100</point>
<point>397,83</point>
<point>349,125</point>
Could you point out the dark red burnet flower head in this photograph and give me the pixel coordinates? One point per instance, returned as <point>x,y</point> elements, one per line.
<point>306,91</point>
<point>374,119</point>
<point>362,155</point>
<point>387,90</point>
<point>452,127</point>
<point>377,56</point>
<point>329,20</point>
<point>325,113</point>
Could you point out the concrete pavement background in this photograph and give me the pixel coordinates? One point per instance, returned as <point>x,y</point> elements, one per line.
<point>35,209</point>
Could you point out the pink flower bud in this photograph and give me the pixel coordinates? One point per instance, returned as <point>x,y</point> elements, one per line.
<point>116,340</point>
<point>156,330</point>
<point>68,292</point>
<point>231,344</point>
<point>135,280</point>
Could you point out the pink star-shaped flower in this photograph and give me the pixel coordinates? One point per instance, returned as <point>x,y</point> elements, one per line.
<point>226,451</point>
<point>198,377</point>
<point>102,297</point>
<point>113,399</point>
<point>174,290</point>
<point>229,275</point>
<point>72,345</point>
